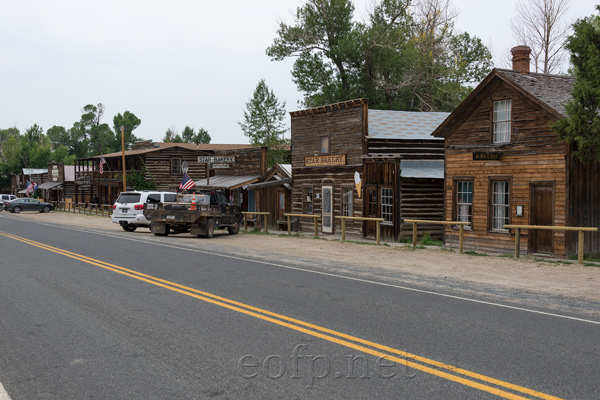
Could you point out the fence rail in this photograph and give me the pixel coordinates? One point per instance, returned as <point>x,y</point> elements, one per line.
<point>580,229</point>
<point>289,221</point>
<point>377,220</point>
<point>265,215</point>
<point>461,225</point>
<point>83,208</point>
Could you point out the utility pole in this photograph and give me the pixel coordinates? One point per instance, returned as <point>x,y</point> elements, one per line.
<point>123,157</point>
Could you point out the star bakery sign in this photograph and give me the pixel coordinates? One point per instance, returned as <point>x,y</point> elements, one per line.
<point>325,160</point>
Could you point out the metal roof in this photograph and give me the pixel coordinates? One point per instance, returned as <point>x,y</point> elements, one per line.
<point>387,124</point>
<point>35,171</point>
<point>49,185</point>
<point>227,181</point>
<point>422,169</point>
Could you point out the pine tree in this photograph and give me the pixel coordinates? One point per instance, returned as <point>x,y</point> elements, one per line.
<point>263,122</point>
<point>582,126</point>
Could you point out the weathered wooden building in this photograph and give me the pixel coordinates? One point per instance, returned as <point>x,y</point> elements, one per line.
<point>348,160</point>
<point>273,194</point>
<point>504,165</point>
<point>162,164</point>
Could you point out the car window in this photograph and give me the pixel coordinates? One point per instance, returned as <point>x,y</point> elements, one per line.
<point>153,198</point>
<point>170,198</point>
<point>129,198</point>
<point>223,199</point>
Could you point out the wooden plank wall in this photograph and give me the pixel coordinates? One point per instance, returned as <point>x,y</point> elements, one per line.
<point>249,161</point>
<point>344,123</point>
<point>409,149</point>
<point>158,164</point>
<point>584,204</point>
<point>422,198</point>
<point>535,155</point>
<point>267,200</point>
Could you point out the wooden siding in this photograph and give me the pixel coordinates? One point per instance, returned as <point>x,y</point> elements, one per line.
<point>534,155</point>
<point>584,204</point>
<point>344,123</point>
<point>422,198</point>
<point>408,149</point>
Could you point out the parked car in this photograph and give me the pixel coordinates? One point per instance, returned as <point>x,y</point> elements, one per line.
<point>5,198</point>
<point>26,204</point>
<point>128,210</point>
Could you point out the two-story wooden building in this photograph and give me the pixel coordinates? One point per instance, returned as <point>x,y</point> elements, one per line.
<point>348,160</point>
<point>504,165</point>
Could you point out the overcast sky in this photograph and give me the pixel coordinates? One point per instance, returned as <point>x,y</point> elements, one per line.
<point>171,63</point>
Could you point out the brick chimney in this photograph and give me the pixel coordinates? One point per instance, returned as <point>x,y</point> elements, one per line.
<point>520,59</point>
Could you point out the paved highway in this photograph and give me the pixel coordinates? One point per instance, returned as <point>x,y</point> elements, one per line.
<point>85,314</point>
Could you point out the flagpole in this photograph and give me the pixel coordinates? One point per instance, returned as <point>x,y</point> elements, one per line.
<point>123,156</point>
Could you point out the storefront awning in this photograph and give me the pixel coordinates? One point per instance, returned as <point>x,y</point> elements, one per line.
<point>227,181</point>
<point>49,185</point>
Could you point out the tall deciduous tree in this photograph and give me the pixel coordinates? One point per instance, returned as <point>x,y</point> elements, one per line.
<point>190,136</point>
<point>582,126</point>
<point>540,25</point>
<point>129,122</point>
<point>101,138</point>
<point>264,122</point>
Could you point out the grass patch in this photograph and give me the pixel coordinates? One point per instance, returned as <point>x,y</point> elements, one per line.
<point>507,255</point>
<point>427,240</point>
<point>474,253</point>
<point>586,257</point>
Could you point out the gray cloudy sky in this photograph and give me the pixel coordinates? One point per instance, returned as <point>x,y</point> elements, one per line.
<point>172,63</point>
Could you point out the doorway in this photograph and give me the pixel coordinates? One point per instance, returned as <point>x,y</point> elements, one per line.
<point>327,209</point>
<point>542,210</point>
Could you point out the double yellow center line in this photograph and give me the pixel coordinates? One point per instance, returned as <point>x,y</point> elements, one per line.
<point>439,369</point>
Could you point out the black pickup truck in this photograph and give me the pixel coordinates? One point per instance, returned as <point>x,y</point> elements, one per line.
<point>198,213</point>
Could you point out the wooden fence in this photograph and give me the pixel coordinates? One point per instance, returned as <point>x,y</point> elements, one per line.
<point>377,229</point>
<point>289,221</point>
<point>265,214</point>
<point>83,208</point>
<point>425,221</point>
<point>578,229</point>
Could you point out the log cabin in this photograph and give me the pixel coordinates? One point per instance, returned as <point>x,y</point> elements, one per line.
<point>504,165</point>
<point>162,163</point>
<point>348,160</point>
<point>272,194</point>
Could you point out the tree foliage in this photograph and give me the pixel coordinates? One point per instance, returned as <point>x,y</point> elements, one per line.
<point>129,122</point>
<point>582,126</point>
<point>189,135</point>
<point>264,122</point>
<point>405,56</point>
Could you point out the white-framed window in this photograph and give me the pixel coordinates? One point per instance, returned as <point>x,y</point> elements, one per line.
<point>307,200</point>
<point>500,204</point>
<point>175,166</point>
<point>464,201</point>
<point>387,204</point>
<point>347,199</point>
<point>502,121</point>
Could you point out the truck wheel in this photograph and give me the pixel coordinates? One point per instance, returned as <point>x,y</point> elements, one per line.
<point>210,228</point>
<point>167,231</point>
<point>129,227</point>
<point>235,227</point>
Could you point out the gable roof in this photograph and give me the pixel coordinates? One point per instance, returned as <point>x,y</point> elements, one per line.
<point>388,124</point>
<point>551,92</point>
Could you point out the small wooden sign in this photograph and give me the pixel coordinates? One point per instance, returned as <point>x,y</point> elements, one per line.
<point>483,156</point>
<point>219,166</point>
<point>325,160</point>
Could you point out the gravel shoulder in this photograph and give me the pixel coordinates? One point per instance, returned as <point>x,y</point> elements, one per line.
<point>504,276</point>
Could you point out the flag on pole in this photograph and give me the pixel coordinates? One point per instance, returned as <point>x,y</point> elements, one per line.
<point>29,188</point>
<point>102,162</point>
<point>186,183</point>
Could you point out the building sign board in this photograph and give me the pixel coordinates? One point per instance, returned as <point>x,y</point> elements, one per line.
<point>219,166</point>
<point>325,160</point>
<point>216,159</point>
<point>485,156</point>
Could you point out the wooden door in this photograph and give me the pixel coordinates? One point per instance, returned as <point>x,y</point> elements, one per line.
<point>542,206</point>
<point>327,209</point>
<point>280,204</point>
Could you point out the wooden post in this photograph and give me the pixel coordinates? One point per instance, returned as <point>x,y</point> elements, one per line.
<point>315,222</point>
<point>517,242</point>
<point>343,229</point>
<point>289,225</point>
<point>123,158</point>
<point>460,238</point>
<point>266,223</point>
<point>580,248</point>
<point>414,234</point>
<point>245,223</point>
<point>378,223</point>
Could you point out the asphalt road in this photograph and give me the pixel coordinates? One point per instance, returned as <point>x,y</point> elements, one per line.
<point>85,314</point>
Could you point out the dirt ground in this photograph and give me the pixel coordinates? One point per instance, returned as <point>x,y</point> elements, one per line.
<point>553,278</point>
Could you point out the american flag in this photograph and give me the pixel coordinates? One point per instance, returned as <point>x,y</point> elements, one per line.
<point>30,186</point>
<point>186,183</point>
<point>102,162</point>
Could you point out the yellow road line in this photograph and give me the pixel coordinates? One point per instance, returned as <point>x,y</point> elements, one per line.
<point>316,330</point>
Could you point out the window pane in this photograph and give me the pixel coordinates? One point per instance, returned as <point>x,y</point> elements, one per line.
<point>464,197</point>
<point>387,204</point>
<point>324,144</point>
<point>347,202</point>
<point>502,121</point>
<point>500,204</point>
<point>307,200</point>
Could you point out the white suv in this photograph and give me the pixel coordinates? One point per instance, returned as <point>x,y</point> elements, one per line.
<point>128,210</point>
<point>6,198</point>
